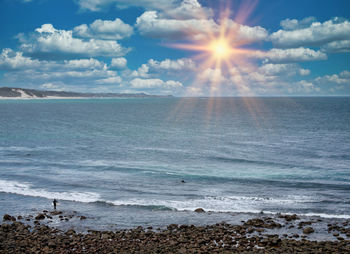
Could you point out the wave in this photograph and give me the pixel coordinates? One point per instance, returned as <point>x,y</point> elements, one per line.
<point>219,205</point>
<point>229,204</point>
<point>27,190</point>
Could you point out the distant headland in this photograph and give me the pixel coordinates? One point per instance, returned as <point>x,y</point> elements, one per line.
<point>22,93</point>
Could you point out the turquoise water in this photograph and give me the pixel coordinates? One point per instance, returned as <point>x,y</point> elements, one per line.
<point>126,158</point>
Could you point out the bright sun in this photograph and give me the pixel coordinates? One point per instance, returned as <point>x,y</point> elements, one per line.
<point>220,48</point>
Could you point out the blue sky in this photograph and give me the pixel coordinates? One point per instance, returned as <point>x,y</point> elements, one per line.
<point>270,47</point>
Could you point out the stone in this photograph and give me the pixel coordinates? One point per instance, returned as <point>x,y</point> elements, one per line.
<point>308,230</point>
<point>199,210</point>
<point>7,217</point>
<point>40,216</point>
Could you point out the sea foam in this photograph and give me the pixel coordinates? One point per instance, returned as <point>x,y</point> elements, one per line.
<point>27,189</point>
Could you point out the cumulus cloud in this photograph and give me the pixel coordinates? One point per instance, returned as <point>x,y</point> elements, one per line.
<point>172,65</point>
<point>188,9</point>
<point>149,24</point>
<point>98,5</point>
<point>154,83</point>
<point>337,46</point>
<point>104,29</point>
<point>304,86</point>
<point>15,61</point>
<point>212,76</point>
<point>118,63</point>
<point>334,83</point>
<point>246,34</point>
<point>294,24</point>
<point>167,65</point>
<point>316,34</point>
<point>10,60</point>
<point>58,75</point>
<point>289,55</point>
<point>342,78</point>
<point>50,42</point>
<point>283,70</point>
<point>152,25</point>
<point>142,71</point>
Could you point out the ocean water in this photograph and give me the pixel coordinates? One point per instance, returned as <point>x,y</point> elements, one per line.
<point>121,161</point>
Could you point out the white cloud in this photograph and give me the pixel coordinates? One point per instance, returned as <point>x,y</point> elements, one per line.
<point>142,71</point>
<point>149,24</point>
<point>98,5</point>
<point>154,83</point>
<point>10,60</point>
<point>167,65</point>
<point>188,9</point>
<point>246,34</point>
<point>84,64</point>
<point>110,80</point>
<point>289,55</point>
<point>172,65</point>
<point>316,34</point>
<point>304,86</point>
<point>335,83</point>
<point>152,25</point>
<point>50,42</point>
<point>14,61</point>
<point>342,78</point>
<point>58,75</point>
<point>213,76</point>
<point>118,63</point>
<point>294,24</point>
<point>283,70</point>
<point>337,46</point>
<point>104,29</point>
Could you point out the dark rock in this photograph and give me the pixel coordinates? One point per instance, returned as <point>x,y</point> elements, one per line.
<point>40,216</point>
<point>82,217</point>
<point>308,230</point>
<point>199,210</point>
<point>8,217</point>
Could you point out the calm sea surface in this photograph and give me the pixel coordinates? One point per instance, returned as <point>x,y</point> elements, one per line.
<point>121,161</point>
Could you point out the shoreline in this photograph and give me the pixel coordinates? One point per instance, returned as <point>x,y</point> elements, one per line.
<point>256,235</point>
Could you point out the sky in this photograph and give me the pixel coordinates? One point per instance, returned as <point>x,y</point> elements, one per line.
<point>178,47</point>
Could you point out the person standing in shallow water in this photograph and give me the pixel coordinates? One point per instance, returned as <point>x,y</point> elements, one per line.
<point>54,203</point>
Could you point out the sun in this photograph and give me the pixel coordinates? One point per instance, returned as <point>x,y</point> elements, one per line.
<point>220,48</point>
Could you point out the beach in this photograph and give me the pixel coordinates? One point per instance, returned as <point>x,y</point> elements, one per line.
<point>32,234</point>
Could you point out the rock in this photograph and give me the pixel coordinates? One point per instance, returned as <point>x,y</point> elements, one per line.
<point>308,230</point>
<point>105,236</point>
<point>70,232</point>
<point>55,212</point>
<point>182,250</point>
<point>82,217</point>
<point>19,217</point>
<point>40,216</point>
<point>199,210</point>
<point>7,217</point>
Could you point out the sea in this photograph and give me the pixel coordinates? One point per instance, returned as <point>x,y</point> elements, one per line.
<point>133,162</point>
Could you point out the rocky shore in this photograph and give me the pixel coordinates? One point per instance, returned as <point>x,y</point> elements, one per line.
<point>30,234</point>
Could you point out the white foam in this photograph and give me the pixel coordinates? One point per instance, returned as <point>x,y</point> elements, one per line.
<point>27,190</point>
<point>217,204</point>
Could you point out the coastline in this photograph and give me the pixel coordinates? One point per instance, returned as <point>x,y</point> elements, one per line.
<point>255,235</point>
